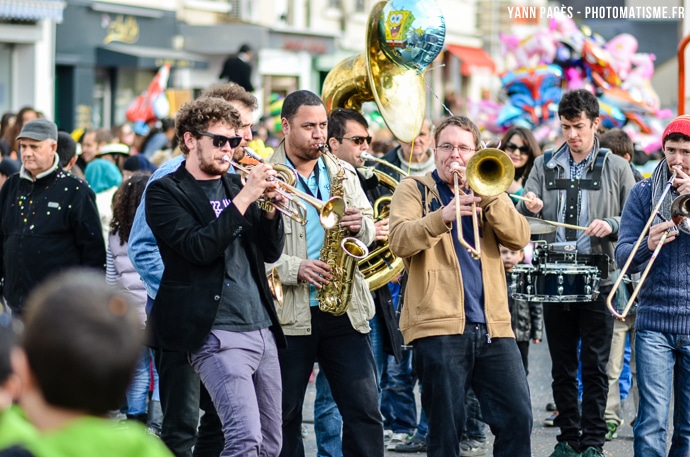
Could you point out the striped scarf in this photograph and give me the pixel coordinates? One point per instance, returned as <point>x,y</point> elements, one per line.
<point>660,177</point>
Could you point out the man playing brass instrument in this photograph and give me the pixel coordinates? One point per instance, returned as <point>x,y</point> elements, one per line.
<point>214,301</point>
<point>348,138</point>
<point>455,314</point>
<point>339,343</point>
<point>663,316</point>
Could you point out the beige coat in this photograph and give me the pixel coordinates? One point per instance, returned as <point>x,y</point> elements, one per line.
<point>294,315</point>
<point>434,295</point>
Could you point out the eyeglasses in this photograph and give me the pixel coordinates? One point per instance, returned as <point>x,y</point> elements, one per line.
<point>358,140</point>
<point>449,148</point>
<point>512,147</point>
<point>220,140</point>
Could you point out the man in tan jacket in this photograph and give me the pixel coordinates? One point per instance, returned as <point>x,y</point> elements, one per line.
<point>455,310</point>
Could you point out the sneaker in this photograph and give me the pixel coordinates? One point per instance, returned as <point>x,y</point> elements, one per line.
<point>387,435</point>
<point>414,444</point>
<point>592,452</point>
<point>564,450</point>
<point>549,420</point>
<point>472,447</point>
<point>396,439</point>
<point>551,406</point>
<point>613,431</point>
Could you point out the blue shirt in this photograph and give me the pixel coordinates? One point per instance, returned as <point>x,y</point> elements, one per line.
<point>470,269</point>
<point>320,189</point>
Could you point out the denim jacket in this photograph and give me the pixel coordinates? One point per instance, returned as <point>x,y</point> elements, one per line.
<point>142,246</point>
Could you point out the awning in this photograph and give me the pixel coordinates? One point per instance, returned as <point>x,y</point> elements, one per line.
<point>32,10</point>
<point>120,55</point>
<point>471,58</point>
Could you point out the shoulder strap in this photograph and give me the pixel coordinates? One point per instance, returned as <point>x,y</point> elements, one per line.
<point>422,190</point>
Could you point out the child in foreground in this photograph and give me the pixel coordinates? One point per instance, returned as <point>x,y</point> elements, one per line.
<point>79,347</point>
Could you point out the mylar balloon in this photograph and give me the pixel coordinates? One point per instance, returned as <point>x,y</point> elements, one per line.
<point>412,32</point>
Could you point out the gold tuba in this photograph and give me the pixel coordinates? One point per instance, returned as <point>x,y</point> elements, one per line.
<point>381,266</point>
<point>398,92</point>
<point>340,252</point>
<point>400,96</point>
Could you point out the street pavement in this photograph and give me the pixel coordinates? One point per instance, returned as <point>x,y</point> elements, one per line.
<point>543,438</point>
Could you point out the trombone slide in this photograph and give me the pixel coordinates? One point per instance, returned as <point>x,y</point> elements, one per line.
<point>475,252</point>
<point>626,267</point>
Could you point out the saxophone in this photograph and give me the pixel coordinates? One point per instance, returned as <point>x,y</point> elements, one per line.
<point>340,252</point>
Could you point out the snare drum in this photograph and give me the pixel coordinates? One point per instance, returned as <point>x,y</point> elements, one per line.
<point>522,281</point>
<point>562,282</point>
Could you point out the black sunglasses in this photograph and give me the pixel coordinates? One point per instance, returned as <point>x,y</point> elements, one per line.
<point>220,140</point>
<point>510,147</point>
<point>358,140</point>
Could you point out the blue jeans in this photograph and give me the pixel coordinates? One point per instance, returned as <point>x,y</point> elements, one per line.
<point>663,371</point>
<point>449,365</point>
<point>138,390</point>
<point>328,422</point>
<point>474,427</point>
<point>398,404</point>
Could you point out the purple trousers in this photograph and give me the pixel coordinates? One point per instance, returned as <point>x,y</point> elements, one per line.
<point>241,373</point>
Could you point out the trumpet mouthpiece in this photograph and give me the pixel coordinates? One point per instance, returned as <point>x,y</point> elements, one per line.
<point>455,166</point>
<point>226,159</point>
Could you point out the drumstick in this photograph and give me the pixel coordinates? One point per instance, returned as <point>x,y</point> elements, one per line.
<point>561,224</point>
<point>520,197</point>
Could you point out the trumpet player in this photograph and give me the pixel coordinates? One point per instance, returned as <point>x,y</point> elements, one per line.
<point>662,323</point>
<point>454,315</point>
<point>182,394</point>
<point>580,184</point>
<point>214,301</point>
<point>339,343</point>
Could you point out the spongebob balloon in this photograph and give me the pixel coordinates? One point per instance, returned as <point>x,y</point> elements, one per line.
<point>412,32</point>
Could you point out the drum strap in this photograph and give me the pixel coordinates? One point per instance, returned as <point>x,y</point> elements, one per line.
<point>573,187</point>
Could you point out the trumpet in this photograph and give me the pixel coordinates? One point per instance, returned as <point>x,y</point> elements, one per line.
<point>372,158</point>
<point>680,214</point>
<point>489,172</point>
<point>330,212</point>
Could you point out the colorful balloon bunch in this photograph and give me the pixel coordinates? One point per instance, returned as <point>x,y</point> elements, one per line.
<point>565,57</point>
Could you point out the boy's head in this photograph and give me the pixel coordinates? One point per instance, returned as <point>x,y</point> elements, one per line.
<point>619,143</point>
<point>511,258</point>
<point>80,344</point>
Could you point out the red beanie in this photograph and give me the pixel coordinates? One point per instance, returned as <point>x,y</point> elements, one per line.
<point>681,124</point>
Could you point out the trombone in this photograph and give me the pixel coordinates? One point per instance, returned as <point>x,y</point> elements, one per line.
<point>680,212</point>
<point>330,212</point>
<point>489,172</point>
<point>372,158</point>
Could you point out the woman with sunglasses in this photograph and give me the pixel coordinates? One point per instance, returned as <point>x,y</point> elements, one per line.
<point>522,147</point>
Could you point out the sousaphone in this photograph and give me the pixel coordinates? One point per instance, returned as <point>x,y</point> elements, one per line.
<point>400,96</point>
<point>398,92</point>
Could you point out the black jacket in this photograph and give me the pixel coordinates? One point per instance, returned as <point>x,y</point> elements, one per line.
<point>236,70</point>
<point>383,299</point>
<point>46,225</point>
<point>192,243</point>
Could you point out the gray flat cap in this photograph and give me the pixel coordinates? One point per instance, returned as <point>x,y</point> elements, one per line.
<point>39,130</point>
